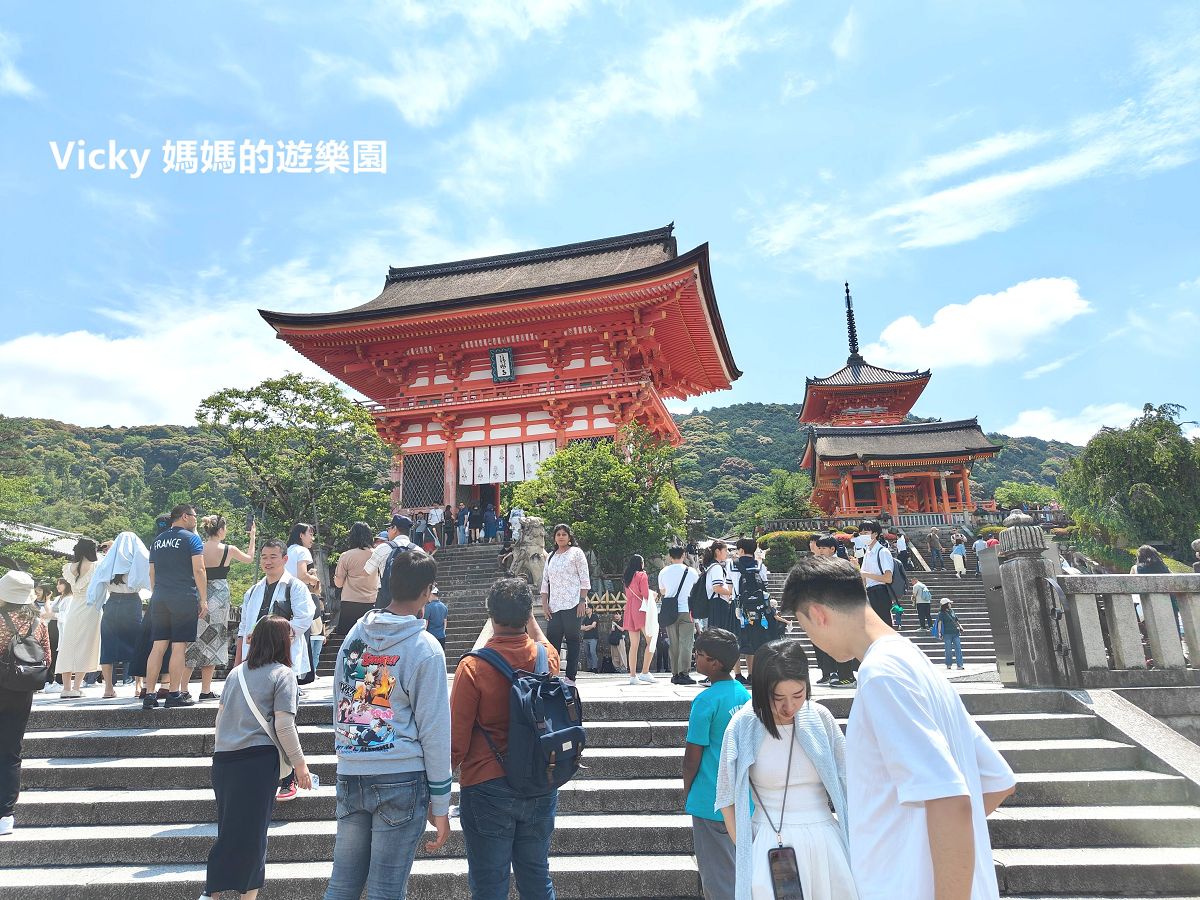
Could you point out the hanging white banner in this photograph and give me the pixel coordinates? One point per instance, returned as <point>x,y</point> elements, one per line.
<point>466,465</point>
<point>498,470</point>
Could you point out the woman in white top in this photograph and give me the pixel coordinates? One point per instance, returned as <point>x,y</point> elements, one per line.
<point>718,581</point>
<point>790,754</point>
<point>565,585</point>
<point>300,566</point>
<point>79,636</point>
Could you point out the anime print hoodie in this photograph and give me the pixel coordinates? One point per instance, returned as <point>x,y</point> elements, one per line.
<point>391,704</point>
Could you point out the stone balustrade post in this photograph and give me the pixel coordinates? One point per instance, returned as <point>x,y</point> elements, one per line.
<point>1023,568</point>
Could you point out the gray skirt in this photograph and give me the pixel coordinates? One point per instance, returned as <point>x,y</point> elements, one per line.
<point>211,647</point>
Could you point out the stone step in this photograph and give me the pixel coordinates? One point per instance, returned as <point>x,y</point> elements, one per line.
<point>297,841</point>
<point>166,803</point>
<point>1114,871</point>
<point>620,877</point>
<point>666,703</point>
<point>302,841</point>
<point>159,762</point>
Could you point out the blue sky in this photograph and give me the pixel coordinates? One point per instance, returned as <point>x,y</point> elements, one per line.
<point>1010,188</point>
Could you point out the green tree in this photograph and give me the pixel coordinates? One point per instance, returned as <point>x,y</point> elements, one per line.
<point>1138,483</point>
<point>618,497</point>
<point>1013,493</point>
<point>302,452</point>
<point>788,495</point>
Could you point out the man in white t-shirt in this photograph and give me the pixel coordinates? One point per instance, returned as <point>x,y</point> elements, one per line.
<point>979,546</point>
<point>921,776</point>
<point>515,516</point>
<point>676,580</point>
<point>876,568</point>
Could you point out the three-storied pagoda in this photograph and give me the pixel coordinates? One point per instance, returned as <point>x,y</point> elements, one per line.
<point>865,460</point>
<point>479,369</point>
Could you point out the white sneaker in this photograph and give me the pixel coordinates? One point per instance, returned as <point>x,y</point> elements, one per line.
<point>6,825</point>
<point>633,679</point>
<point>646,677</point>
<point>52,688</point>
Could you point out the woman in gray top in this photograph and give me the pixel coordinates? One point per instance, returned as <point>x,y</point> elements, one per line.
<point>245,769</point>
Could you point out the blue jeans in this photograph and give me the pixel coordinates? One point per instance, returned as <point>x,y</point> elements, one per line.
<point>505,832</point>
<point>953,642</point>
<point>462,534</point>
<point>380,819</point>
<point>591,658</point>
<point>935,558</point>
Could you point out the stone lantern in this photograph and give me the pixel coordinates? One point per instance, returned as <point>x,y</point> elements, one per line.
<point>1026,567</point>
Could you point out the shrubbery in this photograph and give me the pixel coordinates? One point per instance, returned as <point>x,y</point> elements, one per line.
<point>987,531</point>
<point>782,548</point>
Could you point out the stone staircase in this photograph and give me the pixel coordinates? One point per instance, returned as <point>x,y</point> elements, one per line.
<point>464,575</point>
<point>117,803</point>
<point>969,605</point>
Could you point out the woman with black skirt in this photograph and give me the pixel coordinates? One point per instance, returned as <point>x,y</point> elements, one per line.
<point>245,772</point>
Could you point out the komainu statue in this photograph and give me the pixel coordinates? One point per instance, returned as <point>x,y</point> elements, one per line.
<point>528,558</point>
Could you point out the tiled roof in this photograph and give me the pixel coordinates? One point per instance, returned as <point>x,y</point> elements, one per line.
<point>861,372</point>
<point>421,285</point>
<point>885,441</point>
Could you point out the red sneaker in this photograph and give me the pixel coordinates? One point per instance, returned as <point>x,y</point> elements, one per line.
<point>287,793</point>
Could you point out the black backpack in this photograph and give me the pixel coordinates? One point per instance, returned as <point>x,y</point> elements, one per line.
<point>699,602</point>
<point>898,586</point>
<point>383,598</point>
<point>546,737</point>
<point>23,665</point>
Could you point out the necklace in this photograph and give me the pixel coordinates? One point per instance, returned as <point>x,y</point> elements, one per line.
<point>786,784</point>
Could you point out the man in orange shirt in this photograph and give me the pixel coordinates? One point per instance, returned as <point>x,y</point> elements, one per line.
<point>516,831</point>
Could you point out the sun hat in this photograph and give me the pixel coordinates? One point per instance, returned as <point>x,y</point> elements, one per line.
<point>945,600</point>
<point>16,587</point>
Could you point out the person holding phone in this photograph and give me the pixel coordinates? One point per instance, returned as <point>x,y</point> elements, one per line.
<point>788,754</point>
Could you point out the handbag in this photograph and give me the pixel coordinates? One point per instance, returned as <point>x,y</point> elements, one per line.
<point>285,767</point>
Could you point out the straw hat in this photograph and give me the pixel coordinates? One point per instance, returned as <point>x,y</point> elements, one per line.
<point>16,588</point>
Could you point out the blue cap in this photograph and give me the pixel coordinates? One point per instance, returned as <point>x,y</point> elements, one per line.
<point>402,523</point>
<point>382,536</point>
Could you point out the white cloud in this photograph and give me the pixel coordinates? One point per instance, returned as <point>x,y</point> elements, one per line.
<point>1158,129</point>
<point>972,156</point>
<point>796,86</point>
<point>1192,285</point>
<point>12,80</point>
<point>1053,366</point>
<point>173,344</point>
<point>425,80</point>
<point>845,39</point>
<point>1046,423</point>
<point>984,330</point>
<point>523,147</point>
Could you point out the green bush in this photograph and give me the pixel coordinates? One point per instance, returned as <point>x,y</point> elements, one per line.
<point>988,531</point>
<point>782,548</point>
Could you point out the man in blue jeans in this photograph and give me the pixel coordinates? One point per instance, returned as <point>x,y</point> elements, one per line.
<point>505,833</point>
<point>392,736</point>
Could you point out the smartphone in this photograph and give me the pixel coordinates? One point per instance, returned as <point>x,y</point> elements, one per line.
<point>249,519</point>
<point>785,874</point>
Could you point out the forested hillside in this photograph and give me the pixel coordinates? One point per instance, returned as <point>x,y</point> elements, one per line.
<point>103,480</point>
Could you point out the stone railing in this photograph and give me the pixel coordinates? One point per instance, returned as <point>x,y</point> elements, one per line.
<point>1110,646</point>
<point>1084,631</point>
<point>838,523</point>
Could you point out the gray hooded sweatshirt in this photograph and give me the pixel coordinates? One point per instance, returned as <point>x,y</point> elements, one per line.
<point>391,705</point>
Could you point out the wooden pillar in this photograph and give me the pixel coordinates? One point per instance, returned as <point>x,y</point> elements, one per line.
<point>945,497</point>
<point>450,475</point>
<point>398,478</point>
<point>967,487</point>
<point>891,482</point>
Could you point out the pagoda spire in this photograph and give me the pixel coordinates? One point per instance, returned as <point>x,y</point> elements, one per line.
<point>852,331</point>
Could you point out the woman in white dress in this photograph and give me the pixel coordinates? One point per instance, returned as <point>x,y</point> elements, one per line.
<point>79,636</point>
<point>789,753</point>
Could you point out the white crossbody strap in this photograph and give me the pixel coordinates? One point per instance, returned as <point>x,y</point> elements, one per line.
<point>255,710</point>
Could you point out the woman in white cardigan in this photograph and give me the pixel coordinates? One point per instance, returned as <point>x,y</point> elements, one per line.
<point>789,753</point>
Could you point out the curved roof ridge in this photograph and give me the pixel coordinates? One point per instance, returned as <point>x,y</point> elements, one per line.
<point>661,236</point>
<point>852,374</point>
<point>903,428</point>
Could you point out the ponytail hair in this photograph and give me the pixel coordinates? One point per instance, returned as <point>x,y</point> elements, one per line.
<point>212,525</point>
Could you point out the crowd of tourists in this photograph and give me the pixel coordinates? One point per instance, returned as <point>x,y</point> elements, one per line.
<point>896,808</point>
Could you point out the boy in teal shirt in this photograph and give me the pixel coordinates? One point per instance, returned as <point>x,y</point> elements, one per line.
<point>717,652</point>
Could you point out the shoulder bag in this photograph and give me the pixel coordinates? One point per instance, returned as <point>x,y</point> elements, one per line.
<point>285,767</point>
